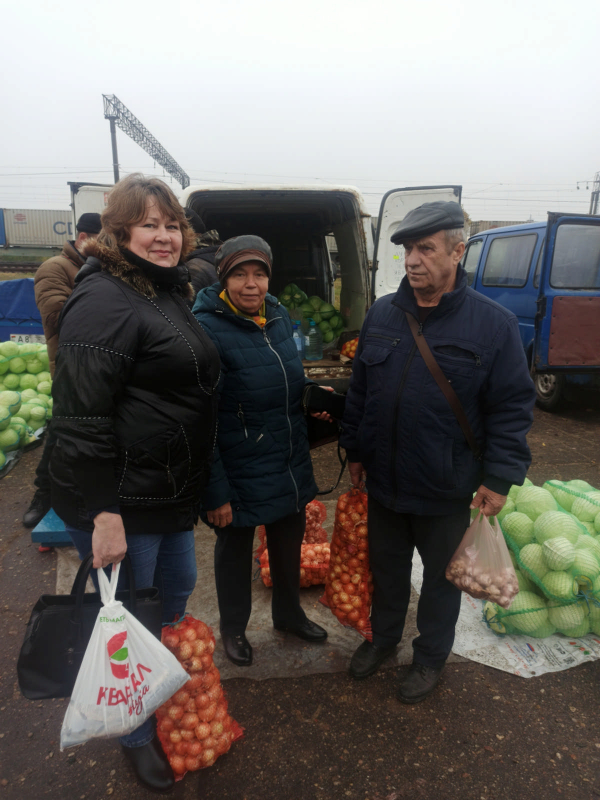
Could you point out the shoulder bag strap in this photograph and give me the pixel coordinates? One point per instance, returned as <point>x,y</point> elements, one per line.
<point>444,385</point>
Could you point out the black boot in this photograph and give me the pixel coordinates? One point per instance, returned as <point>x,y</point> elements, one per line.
<point>419,682</point>
<point>237,648</point>
<point>40,505</point>
<point>151,766</point>
<point>368,658</point>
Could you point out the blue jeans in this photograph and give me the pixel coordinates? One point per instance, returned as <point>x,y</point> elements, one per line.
<point>165,561</point>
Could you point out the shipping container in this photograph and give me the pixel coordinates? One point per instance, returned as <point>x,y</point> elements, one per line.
<point>27,227</point>
<point>2,234</point>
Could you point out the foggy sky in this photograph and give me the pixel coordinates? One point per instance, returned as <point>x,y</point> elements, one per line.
<point>499,97</point>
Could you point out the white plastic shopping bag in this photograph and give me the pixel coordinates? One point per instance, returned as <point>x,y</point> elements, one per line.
<point>125,675</point>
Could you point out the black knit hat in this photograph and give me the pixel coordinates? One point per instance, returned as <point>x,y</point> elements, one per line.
<point>195,221</point>
<point>89,223</point>
<point>428,219</point>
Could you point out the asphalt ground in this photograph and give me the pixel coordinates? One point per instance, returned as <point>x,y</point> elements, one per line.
<point>482,734</point>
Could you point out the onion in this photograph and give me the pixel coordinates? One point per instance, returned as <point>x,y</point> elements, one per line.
<point>189,635</point>
<point>184,651</point>
<point>193,763</point>
<point>177,764</point>
<point>202,730</point>
<point>189,721</point>
<point>170,640</point>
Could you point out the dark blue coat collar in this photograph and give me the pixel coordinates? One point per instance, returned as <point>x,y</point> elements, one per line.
<point>451,301</point>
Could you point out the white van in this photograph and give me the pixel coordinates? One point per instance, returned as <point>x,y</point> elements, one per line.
<point>296,221</point>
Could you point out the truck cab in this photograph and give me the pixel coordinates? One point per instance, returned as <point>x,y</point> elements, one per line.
<point>548,275</point>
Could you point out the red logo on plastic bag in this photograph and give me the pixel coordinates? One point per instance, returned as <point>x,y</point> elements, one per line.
<point>118,655</point>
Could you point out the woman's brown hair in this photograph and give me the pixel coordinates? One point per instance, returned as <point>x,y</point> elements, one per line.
<point>127,206</point>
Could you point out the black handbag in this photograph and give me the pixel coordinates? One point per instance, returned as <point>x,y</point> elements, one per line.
<point>60,627</point>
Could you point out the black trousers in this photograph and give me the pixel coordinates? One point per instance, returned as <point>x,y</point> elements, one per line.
<point>233,572</point>
<point>42,473</point>
<point>392,539</point>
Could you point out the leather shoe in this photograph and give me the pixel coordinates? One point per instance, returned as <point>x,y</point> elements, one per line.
<point>307,630</point>
<point>237,648</point>
<point>368,658</point>
<point>419,682</point>
<point>151,766</point>
<point>38,508</point>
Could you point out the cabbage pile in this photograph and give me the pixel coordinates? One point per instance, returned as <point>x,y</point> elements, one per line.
<point>329,321</point>
<point>553,532</point>
<point>25,388</point>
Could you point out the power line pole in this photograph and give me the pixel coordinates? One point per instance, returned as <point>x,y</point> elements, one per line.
<point>594,199</point>
<point>118,114</point>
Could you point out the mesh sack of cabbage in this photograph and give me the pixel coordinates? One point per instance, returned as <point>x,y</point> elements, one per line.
<point>314,564</point>
<point>25,401</point>
<point>481,565</point>
<point>194,726</point>
<point>349,584</point>
<point>537,617</point>
<point>556,552</point>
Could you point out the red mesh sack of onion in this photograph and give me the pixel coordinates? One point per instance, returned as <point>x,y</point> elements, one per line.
<point>349,584</point>
<point>194,726</point>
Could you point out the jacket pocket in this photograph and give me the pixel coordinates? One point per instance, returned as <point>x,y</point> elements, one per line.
<point>156,468</point>
<point>255,445</point>
<point>374,358</point>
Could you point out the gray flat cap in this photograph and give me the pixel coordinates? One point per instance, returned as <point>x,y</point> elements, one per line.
<point>427,219</point>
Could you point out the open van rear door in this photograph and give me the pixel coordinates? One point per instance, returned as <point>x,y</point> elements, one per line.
<point>88,197</point>
<point>567,337</point>
<point>388,259</point>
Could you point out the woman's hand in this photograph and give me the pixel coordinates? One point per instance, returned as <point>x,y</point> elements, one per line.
<point>108,539</point>
<point>220,517</point>
<point>323,414</point>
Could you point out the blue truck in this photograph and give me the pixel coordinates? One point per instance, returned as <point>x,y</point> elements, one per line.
<point>548,274</point>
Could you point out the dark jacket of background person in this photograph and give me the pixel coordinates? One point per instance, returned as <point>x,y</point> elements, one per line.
<point>134,398</point>
<point>201,265</point>
<point>400,426</point>
<point>262,462</point>
<point>53,283</point>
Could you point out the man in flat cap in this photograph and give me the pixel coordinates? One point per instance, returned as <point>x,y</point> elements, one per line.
<point>421,467</point>
<point>201,261</point>
<point>53,285</point>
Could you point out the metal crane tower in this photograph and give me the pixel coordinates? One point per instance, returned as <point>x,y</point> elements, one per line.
<point>119,114</point>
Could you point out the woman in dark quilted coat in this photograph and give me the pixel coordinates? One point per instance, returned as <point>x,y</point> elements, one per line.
<point>262,472</point>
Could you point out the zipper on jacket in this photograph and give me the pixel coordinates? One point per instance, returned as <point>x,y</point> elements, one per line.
<point>477,360</point>
<point>381,336</point>
<point>403,378</point>
<point>242,420</point>
<point>287,413</point>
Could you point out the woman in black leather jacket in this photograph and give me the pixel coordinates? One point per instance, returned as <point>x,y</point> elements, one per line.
<point>135,409</point>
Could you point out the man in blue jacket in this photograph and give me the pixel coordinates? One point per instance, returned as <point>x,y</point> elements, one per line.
<point>401,431</point>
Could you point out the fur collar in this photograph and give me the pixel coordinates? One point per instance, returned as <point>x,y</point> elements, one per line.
<point>114,262</point>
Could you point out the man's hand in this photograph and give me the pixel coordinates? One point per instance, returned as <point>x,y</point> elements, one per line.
<point>357,473</point>
<point>220,517</point>
<point>489,502</point>
<point>108,539</point>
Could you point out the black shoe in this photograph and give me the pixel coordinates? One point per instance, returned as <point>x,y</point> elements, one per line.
<point>38,508</point>
<point>307,630</point>
<point>237,648</point>
<point>368,658</point>
<point>419,682</point>
<point>151,766</point>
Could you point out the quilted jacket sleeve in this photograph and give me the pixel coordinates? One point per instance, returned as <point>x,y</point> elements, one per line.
<point>98,344</point>
<point>508,412</point>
